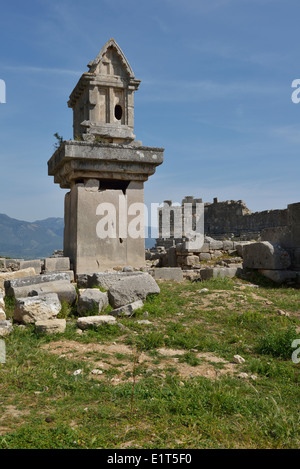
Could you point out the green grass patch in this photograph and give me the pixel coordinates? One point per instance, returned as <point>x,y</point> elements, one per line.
<point>141,400</point>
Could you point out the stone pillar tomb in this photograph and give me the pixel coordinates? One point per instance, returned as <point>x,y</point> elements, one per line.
<point>104,164</point>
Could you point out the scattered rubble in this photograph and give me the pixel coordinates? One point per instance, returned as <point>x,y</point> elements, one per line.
<point>38,308</point>
<point>91,299</point>
<point>51,326</point>
<point>90,322</point>
<point>131,289</point>
<point>238,359</point>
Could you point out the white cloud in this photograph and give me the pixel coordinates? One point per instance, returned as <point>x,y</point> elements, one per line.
<point>29,69</point>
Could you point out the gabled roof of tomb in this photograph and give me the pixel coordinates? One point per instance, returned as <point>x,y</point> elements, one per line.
<point>111,43</point>
<point>93,72</point>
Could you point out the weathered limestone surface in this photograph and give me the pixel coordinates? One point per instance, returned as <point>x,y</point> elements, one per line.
<point>221,272</point>
<point>90,322</point>
<point>65,290</point>
<point>265,255</point>
<point>205,256</point>
<point>37,308</point>
<point>102,279</point>
<point>91,299</point>
<point>56,264</point>
<point>6,328</point>
<point>131,289</point>
<point>239,246</point>
<point>127,310</point>
<point>10,284</point>
<point>50,326</point>
<point>169,273</point>
<point>29,272</point>
<point>36,264</point>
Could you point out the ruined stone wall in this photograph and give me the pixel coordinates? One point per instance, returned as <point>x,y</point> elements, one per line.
<point>228,219</point>
<point>233,218</point>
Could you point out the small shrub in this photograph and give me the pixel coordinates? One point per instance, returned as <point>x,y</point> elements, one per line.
<point>59,140</point>
<point>9,302</point>
<point>277,343</point>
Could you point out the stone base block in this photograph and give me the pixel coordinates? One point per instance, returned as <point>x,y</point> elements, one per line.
<point>65,291</point>
<point>56,264</point>
<point>280,276</point>
<point>91,322</point>
<point>38,308</point>
<point>51,326</point>
<point>220,272</point>
<point>169,273</point>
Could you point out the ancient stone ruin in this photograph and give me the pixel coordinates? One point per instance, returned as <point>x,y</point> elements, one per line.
<point>230,219</point>
<point>267,241</point>
<point>104,166</point>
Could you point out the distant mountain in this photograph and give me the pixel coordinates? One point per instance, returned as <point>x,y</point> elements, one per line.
<point>26,240</point>
<point>36,240</point>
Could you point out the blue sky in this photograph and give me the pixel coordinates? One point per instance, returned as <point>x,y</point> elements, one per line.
<point>215,93</point>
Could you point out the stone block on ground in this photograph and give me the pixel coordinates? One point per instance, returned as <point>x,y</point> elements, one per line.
<point>91,300</point>
<point>66,291</point>
<point>90,322</point>
<point>6,328</point>
<point>227,245</point>
<point>216,254</point>
<point>191,261</point>
<point>215,245</point>
<point>102,279</point>
<point>29,272</point>
<point>264,255</point>
<point>10,284</point>
<point>205,256</point>
<point>37,308</point>
<point>50,326</point>
<point>239,246</point>
<point>220,272</point>
<point>127,268</point>
<point>280,276</point>
<point>128,290</point>
<point>56,264</point>
<point>35,264</point>
<point>127,310</point>
<point>169,273</point>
